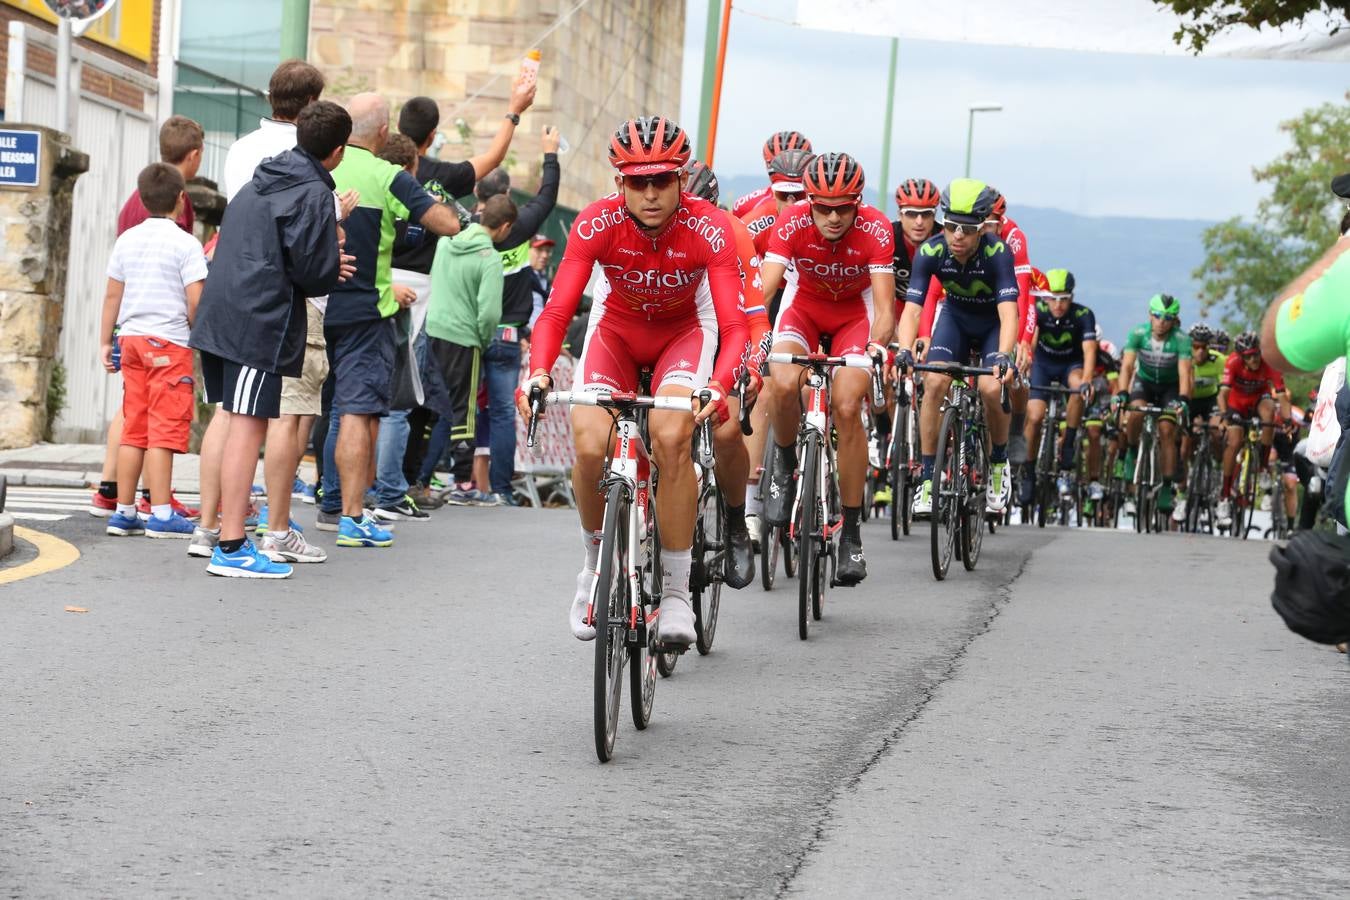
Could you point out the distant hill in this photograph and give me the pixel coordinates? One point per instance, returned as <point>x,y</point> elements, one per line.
<point>1118,262</point>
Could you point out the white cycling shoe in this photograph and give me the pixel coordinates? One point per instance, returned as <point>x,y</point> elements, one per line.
<point>675,624</point>
<point>999,491</point>
<point>582,630</point>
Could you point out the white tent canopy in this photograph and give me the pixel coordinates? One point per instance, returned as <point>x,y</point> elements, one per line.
<point>1100,26</point>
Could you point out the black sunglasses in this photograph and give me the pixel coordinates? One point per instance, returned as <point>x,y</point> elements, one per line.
<point>660,181</point>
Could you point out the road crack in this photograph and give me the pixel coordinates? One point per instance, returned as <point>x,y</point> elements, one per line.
<point>928,692</point>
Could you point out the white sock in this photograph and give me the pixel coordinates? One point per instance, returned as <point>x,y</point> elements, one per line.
<point>591,541</point>
<point>162,511</point>
<point>675,573</point>
<point>753,505</point>
<point>279,535</point>
<point>127,509</point>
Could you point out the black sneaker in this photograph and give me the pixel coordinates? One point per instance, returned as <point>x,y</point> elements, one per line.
<point>780,491</point>
<point>852,567</point>
<point>403,511</point>
<point>1026,486</point>
<point>740,562</point>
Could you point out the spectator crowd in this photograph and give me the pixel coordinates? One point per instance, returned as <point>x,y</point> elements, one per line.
<point>348,304</point>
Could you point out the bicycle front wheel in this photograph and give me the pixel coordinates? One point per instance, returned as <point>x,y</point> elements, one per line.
<point>948,491</point>
<point>808,553</point>
<point>611,607</point>
<point>769,540</point>
<point>973,503</point>
<point>710,539</point>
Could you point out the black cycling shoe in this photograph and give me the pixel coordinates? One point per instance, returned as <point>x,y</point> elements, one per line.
<point>852,567</point>
<point>781,491</point>
<point>1026,486</point>
<point>740,561</point>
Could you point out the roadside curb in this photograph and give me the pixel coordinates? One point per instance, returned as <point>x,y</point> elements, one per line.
<point>6,534</point>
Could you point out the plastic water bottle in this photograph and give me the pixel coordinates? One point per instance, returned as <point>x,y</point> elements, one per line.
<point>529,66</point>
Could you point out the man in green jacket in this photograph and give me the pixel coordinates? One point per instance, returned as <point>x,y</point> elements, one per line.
<point>463,314</point>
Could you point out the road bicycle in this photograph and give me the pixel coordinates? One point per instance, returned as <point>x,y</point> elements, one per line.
<point>960,468</point>
<point>774,541</point>
<point>1250,463</point>
<point>1047,502</point>
<point>903,462</point>
<point>816,512</point>
<point>626,595</point>
<point>1147,477</point>
<point>1203,480</point>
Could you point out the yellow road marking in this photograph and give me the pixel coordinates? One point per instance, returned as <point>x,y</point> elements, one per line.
<point>53,554</point>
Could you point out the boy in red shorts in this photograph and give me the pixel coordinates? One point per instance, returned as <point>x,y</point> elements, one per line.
<point>155,277</point>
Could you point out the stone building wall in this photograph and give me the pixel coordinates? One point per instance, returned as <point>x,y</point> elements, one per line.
<point>611,60</point>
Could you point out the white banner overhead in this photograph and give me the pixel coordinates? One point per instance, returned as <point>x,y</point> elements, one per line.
<point>1100,26</point>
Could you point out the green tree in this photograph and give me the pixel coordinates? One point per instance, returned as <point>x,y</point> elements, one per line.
<point>1247,263</point>
<point>1207,18</point>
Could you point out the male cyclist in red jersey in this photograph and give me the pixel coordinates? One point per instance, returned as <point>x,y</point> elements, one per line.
<point>841,250</point>
<point>787,172</point>
<point>776,144</point>
<point>733,460</point>
<point>1249,389</point>
<point>786,187</point>
<point>1011,234</point>
<point>655,245</point>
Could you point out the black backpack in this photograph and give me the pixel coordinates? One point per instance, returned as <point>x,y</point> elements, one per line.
<point>1312,586</point>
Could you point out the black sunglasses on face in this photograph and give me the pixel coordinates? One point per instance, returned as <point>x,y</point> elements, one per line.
<point>660,181</point>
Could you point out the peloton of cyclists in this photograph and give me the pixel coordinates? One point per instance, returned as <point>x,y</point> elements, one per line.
<point>1251,387</point>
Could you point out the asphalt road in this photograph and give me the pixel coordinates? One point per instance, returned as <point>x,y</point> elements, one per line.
<point>1087,714</point>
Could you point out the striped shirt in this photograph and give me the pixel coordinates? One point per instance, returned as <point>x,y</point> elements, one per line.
<point>155,261</point>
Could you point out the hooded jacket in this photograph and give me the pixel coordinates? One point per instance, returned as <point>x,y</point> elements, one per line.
<point>466,289</point>
<point>278,245</point>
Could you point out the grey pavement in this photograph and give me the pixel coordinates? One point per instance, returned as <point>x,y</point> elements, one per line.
<point>416,721</point>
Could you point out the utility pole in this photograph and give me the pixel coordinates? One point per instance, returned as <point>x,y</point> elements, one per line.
<point>883,189</point>
<point>709,77</point>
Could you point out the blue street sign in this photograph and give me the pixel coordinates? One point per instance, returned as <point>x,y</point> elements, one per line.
<point>20,158</point>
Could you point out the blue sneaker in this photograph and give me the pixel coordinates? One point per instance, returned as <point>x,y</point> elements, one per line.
<point>173,527</point>
<point>246,562</point>
<point>298,488</point>
<point>311,494</point>
<point>364,533</point>
<point>260,526</point>
<point>126,526</point>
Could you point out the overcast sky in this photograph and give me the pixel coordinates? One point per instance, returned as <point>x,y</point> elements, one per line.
<point>1096,134</point>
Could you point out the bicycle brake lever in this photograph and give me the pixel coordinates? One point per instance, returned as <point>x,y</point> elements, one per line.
<point>536,411</point>
<point>743,415</point>
<point>1003,400</point>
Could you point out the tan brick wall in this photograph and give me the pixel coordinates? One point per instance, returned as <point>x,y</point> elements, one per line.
<point>612,60</point>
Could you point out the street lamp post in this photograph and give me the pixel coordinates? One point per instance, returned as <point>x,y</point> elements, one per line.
<point>970,126</point>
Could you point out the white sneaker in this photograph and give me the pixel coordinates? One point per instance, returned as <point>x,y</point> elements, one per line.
<point>923,500</point>
<point>1128,508</point>
<point>999,491</point>
<point>1096,491</point>
<point>293,548</point>
<point>755,527</point>
<point>1179,509</point>
<point>675,624</point>
<point>203,542</point>
<point>1224,512</point>
<point>581,629</point>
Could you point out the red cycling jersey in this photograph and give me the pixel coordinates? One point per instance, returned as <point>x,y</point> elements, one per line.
<point>752,285</point>
<point>1246,387</point>
<point>831,270</point>
<point>1016,240</point>
<point>1012,235</point>
<point>652,278</point>
<point>749,201</point>
<point>760,221</point>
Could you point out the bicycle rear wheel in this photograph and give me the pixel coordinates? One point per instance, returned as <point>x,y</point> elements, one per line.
<point>947,495</point>
<point>611,606</point>
<point>808,553</point>
<point>709,537</point>
<point>900,487</point>
<point>770,539</point>
<point>831,515</point>
<point>665,661</point>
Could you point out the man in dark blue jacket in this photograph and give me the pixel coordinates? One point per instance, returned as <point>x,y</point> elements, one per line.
<point>279,243</point>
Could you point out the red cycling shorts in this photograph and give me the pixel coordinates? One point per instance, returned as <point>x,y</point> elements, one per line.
<point>157,393</point>
<point>806,318</point>
<point>678,352</point>
<point>1244,404</point>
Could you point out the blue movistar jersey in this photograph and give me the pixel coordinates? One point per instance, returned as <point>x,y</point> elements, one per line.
<point>985,281</point>
<point>1061,338</point>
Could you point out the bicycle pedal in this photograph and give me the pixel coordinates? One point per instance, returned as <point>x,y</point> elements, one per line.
<point>659,646</point>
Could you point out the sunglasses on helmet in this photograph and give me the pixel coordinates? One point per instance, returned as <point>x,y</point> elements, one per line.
<point>962,228</point>
<point>660,181</point>
<point>917,212</point>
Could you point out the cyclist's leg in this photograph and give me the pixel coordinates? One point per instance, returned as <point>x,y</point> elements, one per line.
<point>796,332</point>
<point>1073,419</point>
<point>1094,450</point>
<point>947,345</point>
<point>1230,452</point>
<point>733,472</point>
<point>1265,411</point>
<point>1168,437</point>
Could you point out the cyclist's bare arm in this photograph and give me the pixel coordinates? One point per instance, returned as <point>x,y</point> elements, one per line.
<point>1185,377</point>
<point>1223,401</point>
<point>883,328</point>
<point>1007,328</point>
<point>1125,380</point>
<point>1269,347</point>
<point>771,273</point>
<point>908,326</point>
